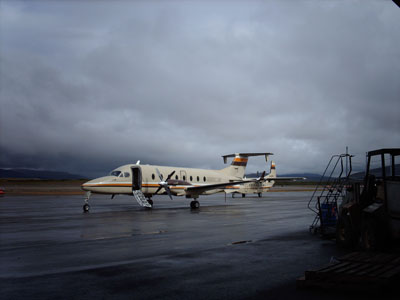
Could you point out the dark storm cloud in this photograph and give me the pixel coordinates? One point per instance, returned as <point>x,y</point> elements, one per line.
<point>88,86</point>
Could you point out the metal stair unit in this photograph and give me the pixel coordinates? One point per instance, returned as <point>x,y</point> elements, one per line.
<point>325,203</point>
<point>141,199</point>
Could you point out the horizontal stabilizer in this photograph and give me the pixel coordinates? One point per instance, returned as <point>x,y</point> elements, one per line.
<point>266,154</point>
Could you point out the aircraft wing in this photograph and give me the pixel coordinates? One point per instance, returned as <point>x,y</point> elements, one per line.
<point>197,190</point>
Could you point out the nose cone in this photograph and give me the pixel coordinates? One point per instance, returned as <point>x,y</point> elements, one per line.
<point>86,186</point>
<point>95,184</point>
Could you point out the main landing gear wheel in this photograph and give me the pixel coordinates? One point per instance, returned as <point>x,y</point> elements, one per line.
<point>195,204</point>
<point>86,208</point>
<point>243,195</point>
<point>259,195</point>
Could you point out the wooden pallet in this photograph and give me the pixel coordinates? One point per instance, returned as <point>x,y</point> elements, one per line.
<point>357,271</point>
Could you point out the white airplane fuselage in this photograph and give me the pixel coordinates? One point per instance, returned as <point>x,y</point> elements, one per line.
<point>252,187</point>
<point>144,177</point>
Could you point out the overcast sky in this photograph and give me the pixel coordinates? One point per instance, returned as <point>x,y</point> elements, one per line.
<point>87,86</point>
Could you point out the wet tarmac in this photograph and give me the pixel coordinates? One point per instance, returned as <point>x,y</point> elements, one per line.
<point>244,248</point>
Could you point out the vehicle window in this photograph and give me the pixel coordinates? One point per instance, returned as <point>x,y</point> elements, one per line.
<point>198,178</point>
<point>204,178</point>
<point>375,167</point>
<point>152,176</point>
<point>176,177</point>
<point>115,173</point>
<point>126,174</point>
<point>184,177</point>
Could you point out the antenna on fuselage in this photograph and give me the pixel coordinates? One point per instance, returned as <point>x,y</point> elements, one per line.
<point>138,162</point>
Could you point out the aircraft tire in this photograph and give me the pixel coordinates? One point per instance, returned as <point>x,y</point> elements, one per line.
<point>195,204</point>
<point>86,208</point>
<point>243,195</point>
<point>150,201</point>
<point>259,195</point>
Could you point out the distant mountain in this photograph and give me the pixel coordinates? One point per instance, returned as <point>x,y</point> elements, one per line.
<point>308,176</point>
<point>377,172</point>
<point>37,174</point>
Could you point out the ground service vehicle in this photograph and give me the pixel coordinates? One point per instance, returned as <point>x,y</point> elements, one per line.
<point>371,218</point>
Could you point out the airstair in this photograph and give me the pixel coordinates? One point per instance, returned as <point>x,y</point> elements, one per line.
<point>330,190</point>
<point>141,199</point>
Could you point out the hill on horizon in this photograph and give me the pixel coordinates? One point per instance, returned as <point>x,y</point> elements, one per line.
<point>377,172</point>
<point>38,174</point>
<point>308,176</point>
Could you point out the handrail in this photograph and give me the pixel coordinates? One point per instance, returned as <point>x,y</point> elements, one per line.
<point>335,183</point>
<point>319,183</point>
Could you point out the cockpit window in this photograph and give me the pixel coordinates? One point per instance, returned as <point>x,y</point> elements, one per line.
<point>115,173</point>
<point>126,174</point>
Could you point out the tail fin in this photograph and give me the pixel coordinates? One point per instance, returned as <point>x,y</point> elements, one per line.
<point>237,167</point>
<point>272,173</point>
<point>239,163</point>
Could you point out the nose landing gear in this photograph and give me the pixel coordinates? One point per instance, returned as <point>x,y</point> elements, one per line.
<point>86,206</point>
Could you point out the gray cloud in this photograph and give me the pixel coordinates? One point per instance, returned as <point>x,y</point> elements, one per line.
<point>88,86</point>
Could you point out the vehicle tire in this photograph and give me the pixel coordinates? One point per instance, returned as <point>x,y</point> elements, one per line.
<point>150,202</point>
<point>243,195</point>
<point>86,208</point>
<point>346,235</point>
<point>259,195</point>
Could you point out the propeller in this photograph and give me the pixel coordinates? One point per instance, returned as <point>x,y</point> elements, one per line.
<point>262,176</point>
<point>164,184</point>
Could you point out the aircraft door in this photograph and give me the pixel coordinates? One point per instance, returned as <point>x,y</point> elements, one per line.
<point>136,178</point>
<point>183,175</point>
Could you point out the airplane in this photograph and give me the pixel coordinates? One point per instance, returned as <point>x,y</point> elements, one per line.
<point>259,186</point>
<point>144,181</point>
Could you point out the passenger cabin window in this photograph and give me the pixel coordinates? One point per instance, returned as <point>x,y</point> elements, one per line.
<point>204,178</point>
<point>115,173</point>
<point>184,177</point>
<point>198,178</point>
<point>152,176</point>
<point>191,178</point>
<point>176,177</point>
